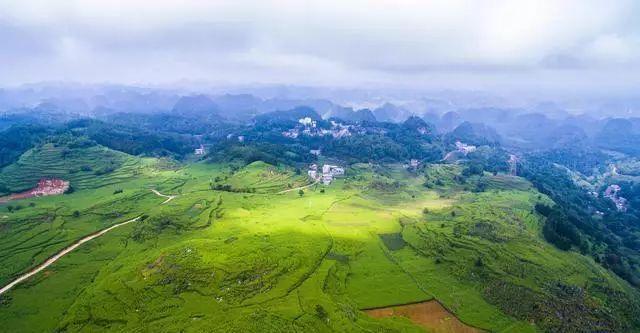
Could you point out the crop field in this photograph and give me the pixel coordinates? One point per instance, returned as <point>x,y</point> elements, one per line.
<point>220,260</point>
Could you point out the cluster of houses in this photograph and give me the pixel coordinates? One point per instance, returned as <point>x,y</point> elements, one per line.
<point>326,174</point>
<point>200,151</point>
<point>465,148</point>
<point>412,165</point>
<point>462,149</point>
<point>612,193</point>
<point>308,127</point>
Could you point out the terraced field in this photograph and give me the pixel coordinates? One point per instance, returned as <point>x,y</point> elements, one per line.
<point>229,261</point>
<point>263,178</point>
<point>89,167</point>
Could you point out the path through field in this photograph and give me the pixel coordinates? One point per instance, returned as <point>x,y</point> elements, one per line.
<point>169,197</point>
<point>299,188</point>
<point>74,246</point>
<point>62,253</point>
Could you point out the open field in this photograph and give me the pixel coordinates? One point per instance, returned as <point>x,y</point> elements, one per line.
<point>431,315</point>
<point>258,261</point>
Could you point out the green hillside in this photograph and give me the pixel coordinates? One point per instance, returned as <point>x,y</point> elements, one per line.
<point>224,261</point>
<point>84,167</point>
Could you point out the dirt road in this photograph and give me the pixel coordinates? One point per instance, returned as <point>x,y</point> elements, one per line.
<point>169,197</point>
<point>61,254</point>
<point>299,188</point>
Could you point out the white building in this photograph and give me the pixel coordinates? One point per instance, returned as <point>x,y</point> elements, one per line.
<point>465,148</point>
<point>315,152</point>
<point>308,122</point>
<point>414,163</point>
<point>200,151</point>
<point>337,171</point>
<point>327,178</point>
<point>329,172</point>
<point>241,138</point>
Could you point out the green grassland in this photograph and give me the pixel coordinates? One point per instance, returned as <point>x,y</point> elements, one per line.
<point>257,260</point>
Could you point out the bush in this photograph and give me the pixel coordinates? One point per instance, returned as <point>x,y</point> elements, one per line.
<point>321,313</point>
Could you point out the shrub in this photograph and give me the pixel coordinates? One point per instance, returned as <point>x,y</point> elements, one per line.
<point>321,312</point>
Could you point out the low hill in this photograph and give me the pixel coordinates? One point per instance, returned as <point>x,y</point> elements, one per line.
<point>474,133</point>
<point>85,167</point>
<point>348,114</point>
<point>260,177</point>
<point>194,105</point>
<point>391,113</point>
<point>292,115</point>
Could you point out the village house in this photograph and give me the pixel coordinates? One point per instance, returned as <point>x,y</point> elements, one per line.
<point>465,148</point>
<point>327,174</point>
<point>612,193</point>
<point>292,133</point>
<point>313,171</point>
<point>307,122</point>
<point>200,151</point>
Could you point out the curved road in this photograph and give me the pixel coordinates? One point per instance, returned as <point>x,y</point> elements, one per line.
<point>74,246</point>
<point>61,254</point>
<point>169,197</point>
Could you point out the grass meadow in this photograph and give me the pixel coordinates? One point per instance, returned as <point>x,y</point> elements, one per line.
<point>243,258</point>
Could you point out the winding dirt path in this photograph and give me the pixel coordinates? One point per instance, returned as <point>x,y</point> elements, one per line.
<point>169,197</point>
<point>299,188</point>
<point>61,254</point>
<point>74,246</point>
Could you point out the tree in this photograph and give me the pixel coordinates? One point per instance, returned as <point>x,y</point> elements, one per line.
<point>321,312</point>
<point>76,214</point>
<point>300,192</point>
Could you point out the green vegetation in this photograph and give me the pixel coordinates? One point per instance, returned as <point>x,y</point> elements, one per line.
<point>84,164</point>
<point>256,259</point>
<point>589,224</point>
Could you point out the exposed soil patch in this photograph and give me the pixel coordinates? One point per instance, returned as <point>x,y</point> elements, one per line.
<point>430,315</point>
<point>46,186</point>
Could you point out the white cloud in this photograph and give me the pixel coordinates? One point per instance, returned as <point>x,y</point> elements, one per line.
<point>328,42</point>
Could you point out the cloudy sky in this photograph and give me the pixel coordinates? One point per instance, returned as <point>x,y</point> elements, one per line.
<point>552,44</point>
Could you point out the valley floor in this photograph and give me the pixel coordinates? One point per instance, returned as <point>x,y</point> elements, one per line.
<point>223,250</point>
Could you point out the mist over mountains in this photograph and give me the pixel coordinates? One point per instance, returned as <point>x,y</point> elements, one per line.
<point>522,123</point>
